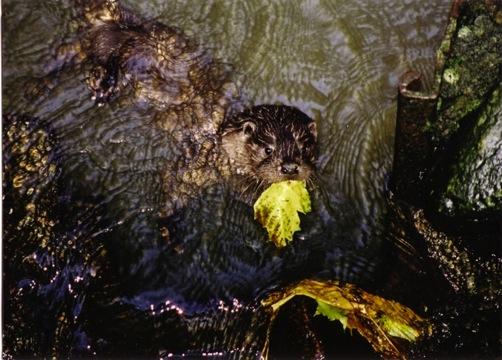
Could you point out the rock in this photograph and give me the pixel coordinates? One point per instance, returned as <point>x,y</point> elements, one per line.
<point>474,188</point>
<point>471,70</point>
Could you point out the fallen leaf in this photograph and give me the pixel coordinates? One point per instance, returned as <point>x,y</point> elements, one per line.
<point>398,329</point>
<point>377,319</point>
<point>333,313</point>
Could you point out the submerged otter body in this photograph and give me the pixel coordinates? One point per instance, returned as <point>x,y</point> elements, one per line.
<point>157,64</point>
<point>249,149</point>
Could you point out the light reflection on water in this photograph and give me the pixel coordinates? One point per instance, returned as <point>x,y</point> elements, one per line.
<point>338,61</point>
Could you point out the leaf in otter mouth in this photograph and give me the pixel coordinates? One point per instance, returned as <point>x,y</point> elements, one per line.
<point>277,209</point>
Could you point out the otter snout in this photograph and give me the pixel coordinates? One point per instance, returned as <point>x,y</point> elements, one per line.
<point>289,168</point>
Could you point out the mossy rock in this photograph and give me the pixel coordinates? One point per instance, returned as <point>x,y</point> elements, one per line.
<point>471,71</point>
<point>474,188</point>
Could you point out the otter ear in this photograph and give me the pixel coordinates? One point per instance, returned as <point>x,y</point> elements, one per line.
<point>248,128</point>
<point>313,129</point>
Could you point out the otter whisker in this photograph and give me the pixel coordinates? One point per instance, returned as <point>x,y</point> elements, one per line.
<point>310,182</point>
<point>244,191</point>
<point>258,188</point>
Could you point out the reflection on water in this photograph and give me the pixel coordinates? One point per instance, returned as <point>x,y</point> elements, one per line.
<point>103,280</point>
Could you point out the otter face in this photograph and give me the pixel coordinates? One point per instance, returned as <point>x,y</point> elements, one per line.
<point>271,143</point>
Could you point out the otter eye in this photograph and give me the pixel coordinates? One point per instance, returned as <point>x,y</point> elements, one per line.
<point>269,150</point>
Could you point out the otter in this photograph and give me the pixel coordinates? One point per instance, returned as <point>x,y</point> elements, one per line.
<point>163,69</point>
<point>252,149</point>
<point>270,143</point>
<point>249,148</point>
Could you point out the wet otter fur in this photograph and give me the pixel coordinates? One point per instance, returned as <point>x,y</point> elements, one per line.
<point>252,149</point>
<point>249,149</point>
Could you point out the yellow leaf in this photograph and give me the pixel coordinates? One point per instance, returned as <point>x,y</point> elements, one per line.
<point>277,209</point>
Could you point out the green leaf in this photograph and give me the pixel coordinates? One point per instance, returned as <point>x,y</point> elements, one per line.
<point>277,209</point>
<point>398,329</point>
<point>331,312</point>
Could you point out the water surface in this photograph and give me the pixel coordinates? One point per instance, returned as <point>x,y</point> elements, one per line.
<point>104,265</point>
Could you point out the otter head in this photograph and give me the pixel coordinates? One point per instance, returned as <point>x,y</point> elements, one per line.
<point>271,143</point>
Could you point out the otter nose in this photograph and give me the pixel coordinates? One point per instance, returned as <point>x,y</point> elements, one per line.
<point>289,168</point>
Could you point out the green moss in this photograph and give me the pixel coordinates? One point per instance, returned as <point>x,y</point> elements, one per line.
<point>470,71</point>
<point>451,76</point>
<point>438,106</point>
<point>475,185</point>
<point>464,32</point>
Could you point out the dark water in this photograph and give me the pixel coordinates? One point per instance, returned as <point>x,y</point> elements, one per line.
<point>86,270</point>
